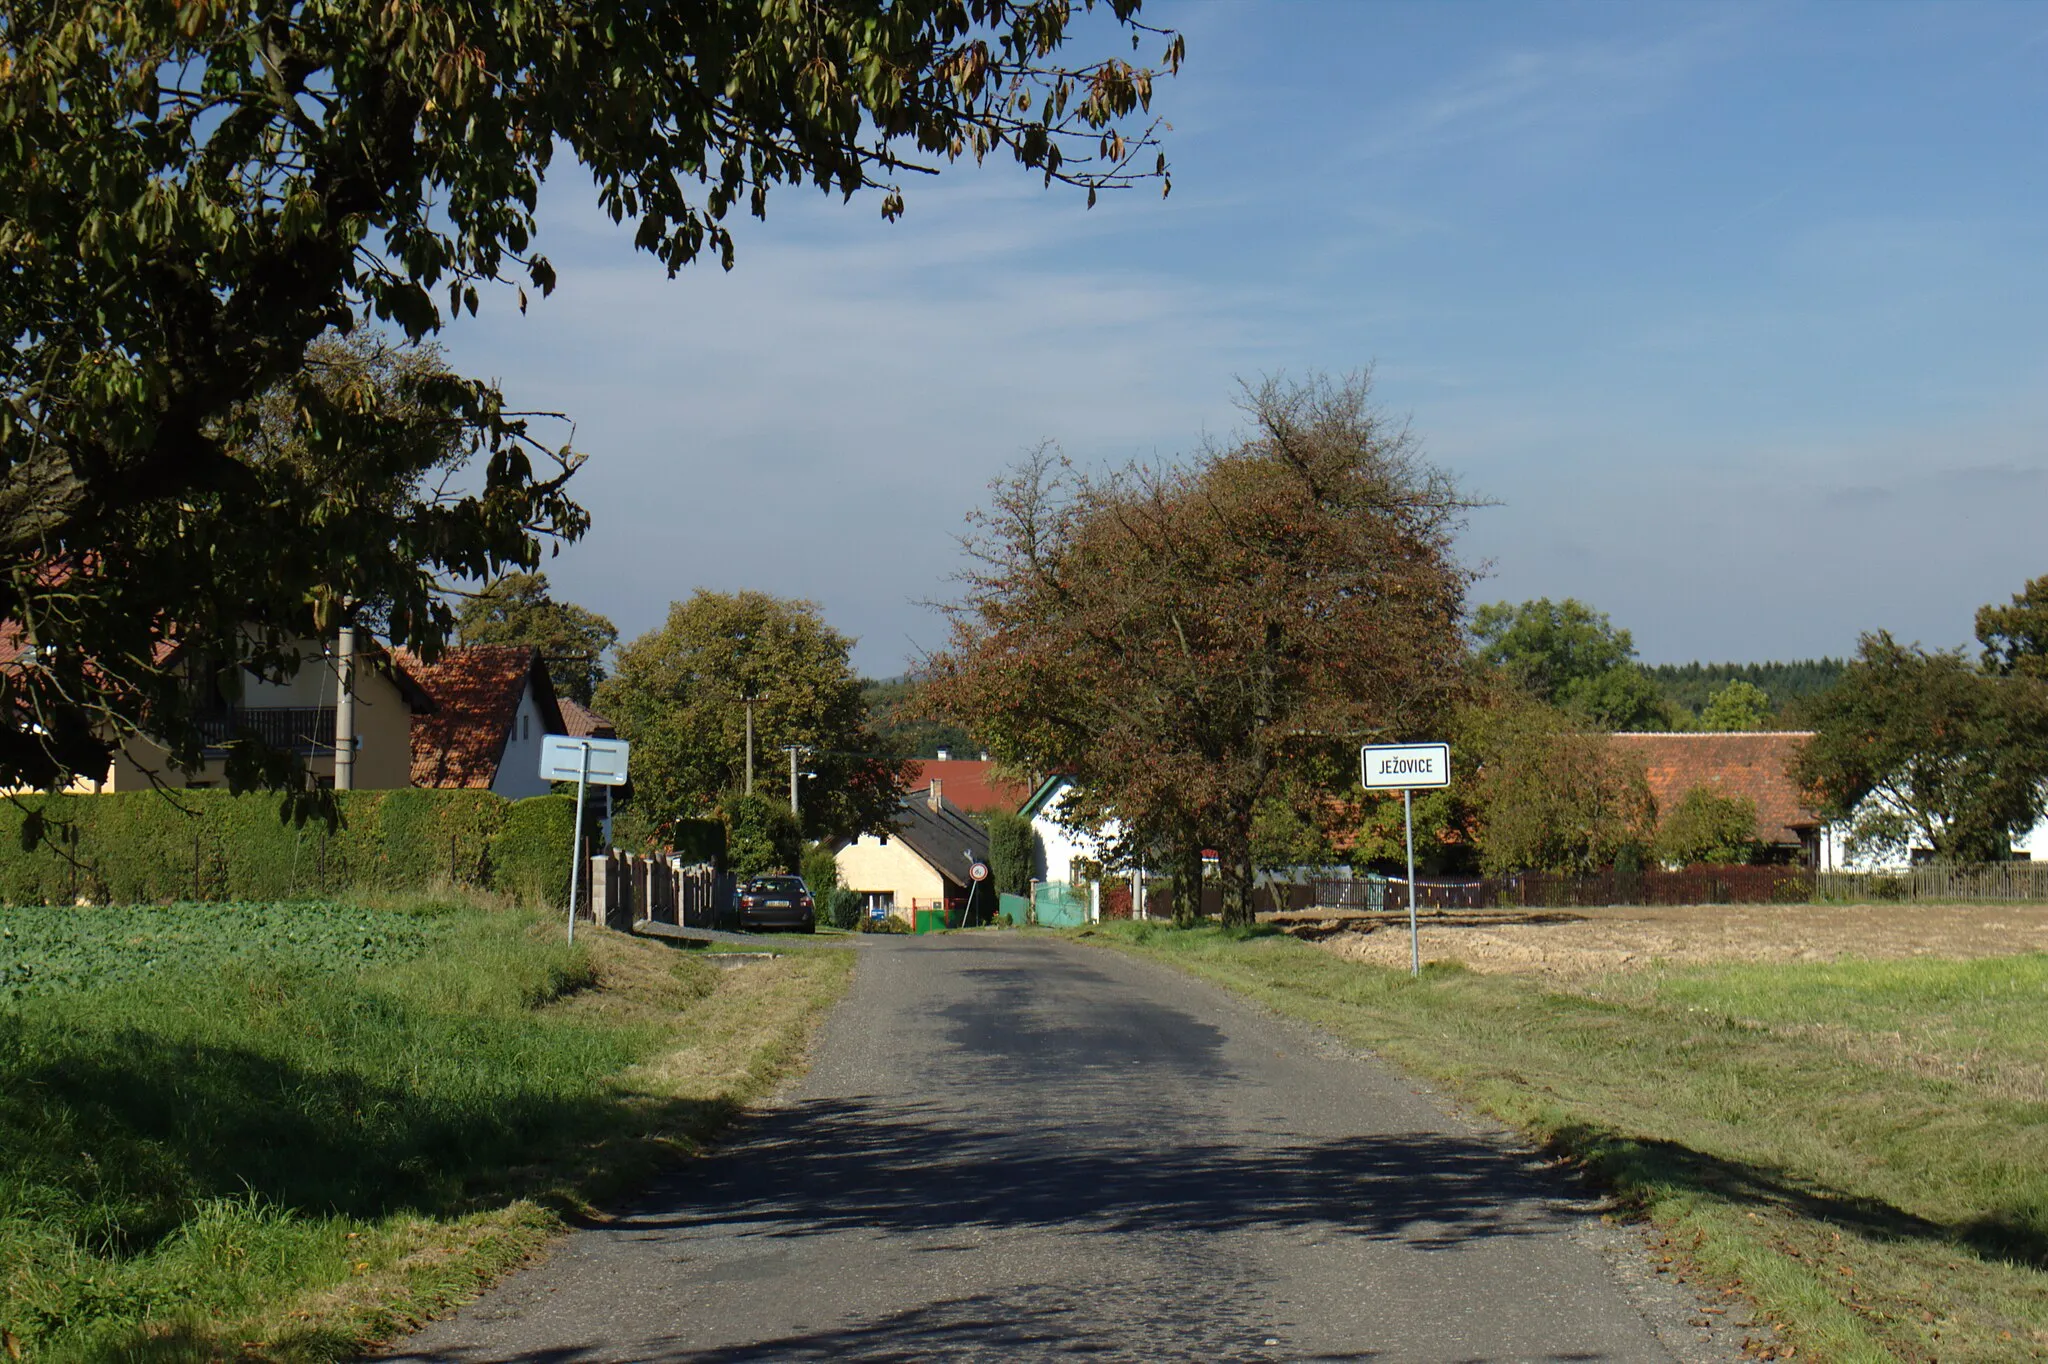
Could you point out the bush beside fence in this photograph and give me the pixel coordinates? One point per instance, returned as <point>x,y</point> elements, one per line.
<point>144,846</point>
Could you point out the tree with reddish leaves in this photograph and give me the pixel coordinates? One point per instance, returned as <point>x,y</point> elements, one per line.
<point>1188,639</point>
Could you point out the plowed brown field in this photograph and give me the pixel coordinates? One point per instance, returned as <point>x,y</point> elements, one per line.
<point>1572,944</point>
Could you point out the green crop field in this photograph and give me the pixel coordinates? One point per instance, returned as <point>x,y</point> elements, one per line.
<point>1862,1147</point>
<point>51,951</point>
<point>283,1131</point>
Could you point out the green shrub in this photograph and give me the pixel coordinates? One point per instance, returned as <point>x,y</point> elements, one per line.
<point>820,869</point>
<point>438,835</point>
<point>843,908</point>
<point>1012,849</point>
<point>699,840</point>
<point>761,836</point>
<point>530,851</point>
<point>1708,828</point>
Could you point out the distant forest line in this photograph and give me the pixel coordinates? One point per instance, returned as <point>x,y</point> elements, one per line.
<point>1686,686</point>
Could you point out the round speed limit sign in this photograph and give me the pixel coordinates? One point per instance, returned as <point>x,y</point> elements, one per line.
<point>979,871</point>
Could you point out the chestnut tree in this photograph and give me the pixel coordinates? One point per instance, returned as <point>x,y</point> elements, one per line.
<point>199,190</point>
<point>1191,638</point>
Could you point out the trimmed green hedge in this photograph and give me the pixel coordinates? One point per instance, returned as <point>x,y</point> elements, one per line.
<point>530,850</point>
<point>145,846</point>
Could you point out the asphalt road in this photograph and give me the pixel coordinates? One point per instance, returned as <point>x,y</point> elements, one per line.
<point>1015,1148</point>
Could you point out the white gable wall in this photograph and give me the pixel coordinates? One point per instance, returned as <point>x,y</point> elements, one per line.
<point>519,770</point>
<point>1059,847</point>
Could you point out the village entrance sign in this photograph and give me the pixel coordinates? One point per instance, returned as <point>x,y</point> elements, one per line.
<point>1407,768</point>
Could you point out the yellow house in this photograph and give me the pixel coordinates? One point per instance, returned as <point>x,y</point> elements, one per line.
<point>923,863</point>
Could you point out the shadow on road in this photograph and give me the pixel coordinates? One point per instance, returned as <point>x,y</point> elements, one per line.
<point>837,1165</point>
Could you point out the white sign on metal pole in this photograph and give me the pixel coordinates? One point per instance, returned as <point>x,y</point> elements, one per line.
<point>583,761</point>
<point>1406,768</point>
<point>561,759</point>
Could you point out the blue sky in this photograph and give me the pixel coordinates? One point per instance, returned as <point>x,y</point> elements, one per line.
<point>1738,312</point>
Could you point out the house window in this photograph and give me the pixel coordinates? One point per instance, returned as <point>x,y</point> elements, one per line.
<point>872,900</point>
<point>523,723</point>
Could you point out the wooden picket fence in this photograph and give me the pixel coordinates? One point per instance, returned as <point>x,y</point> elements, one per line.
<point>2017,882</point>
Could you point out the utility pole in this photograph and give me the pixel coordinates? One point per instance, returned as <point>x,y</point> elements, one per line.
<point>749,699</point>
<point>345,710</point>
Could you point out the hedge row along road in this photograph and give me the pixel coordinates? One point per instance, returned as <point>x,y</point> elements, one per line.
<point>146,846</point>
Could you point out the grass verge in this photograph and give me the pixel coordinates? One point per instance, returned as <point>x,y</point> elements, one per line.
<point>211,1150</point>
<point>1862,1147</point>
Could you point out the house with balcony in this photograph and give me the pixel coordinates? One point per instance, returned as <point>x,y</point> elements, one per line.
<point>295,714</point>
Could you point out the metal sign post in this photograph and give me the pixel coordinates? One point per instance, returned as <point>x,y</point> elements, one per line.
<point>1408,767</point>
<point>582,761</point>
<point>576,843</point>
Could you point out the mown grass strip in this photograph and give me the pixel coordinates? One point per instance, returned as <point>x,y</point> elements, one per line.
<point>285,1132</point>
<point>1862,1147</point>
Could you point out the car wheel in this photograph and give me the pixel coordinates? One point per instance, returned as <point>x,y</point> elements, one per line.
<point>808,926</point>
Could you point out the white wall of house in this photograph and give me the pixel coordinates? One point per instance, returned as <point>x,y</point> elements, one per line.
<point>519,770</point>
<point>1836,856</point>
<point>1059,847</point>
<point>872,865</point>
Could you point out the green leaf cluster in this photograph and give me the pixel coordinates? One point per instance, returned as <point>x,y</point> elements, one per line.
<point>1549,794</point>
<point>68,949</point>
<point>199,193</point>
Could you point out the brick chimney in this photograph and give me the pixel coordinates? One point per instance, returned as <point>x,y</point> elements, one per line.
<point>937,804</point>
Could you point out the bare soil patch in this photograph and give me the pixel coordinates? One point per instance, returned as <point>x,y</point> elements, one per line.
<point>1573,944</point>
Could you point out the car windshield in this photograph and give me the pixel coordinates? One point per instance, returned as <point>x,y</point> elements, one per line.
<point>779,885</point>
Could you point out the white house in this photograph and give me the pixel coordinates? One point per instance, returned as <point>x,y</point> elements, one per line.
<point>493,705</point>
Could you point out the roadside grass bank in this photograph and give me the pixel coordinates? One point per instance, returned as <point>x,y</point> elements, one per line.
<point>288,1131</point>
<point>1862,1147</point>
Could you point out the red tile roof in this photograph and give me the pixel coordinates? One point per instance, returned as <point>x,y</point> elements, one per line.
<point>1736,763</point>
<point>476,693</point>
<point>581,722</point>
<point>969,783</point>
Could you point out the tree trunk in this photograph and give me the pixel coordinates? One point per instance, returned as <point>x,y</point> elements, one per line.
<point>1234,854</point>
<point>1187,881</point>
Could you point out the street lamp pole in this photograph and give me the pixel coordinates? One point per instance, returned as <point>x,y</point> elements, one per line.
<point>792,750</point>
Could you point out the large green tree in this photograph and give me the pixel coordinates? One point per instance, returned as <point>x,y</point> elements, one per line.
<point>1186,640</point>
<point>1546,793</point>
<point>680,695</point>
<point>2015,636</point>
<point>1569,655</point>
<point>517,608</point>
<point>1920,749</point>
<point>197,192</point>
<point>1739,705</point>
